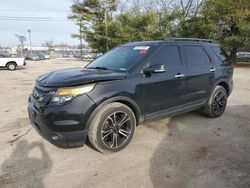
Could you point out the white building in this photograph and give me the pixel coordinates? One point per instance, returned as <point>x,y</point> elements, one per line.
<point>36,48</point>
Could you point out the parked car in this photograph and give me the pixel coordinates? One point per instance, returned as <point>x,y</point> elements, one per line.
<point>77,54</point>
<point>33,57</point>
<point>242,57</point>
<point>87,56</point>
<point>41,56</point>
<point>11,62</point>
<point>96,55</point>
<point>47,56</point>
<point>134,83</point>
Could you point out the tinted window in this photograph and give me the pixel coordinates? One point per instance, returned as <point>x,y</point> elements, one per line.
<point>195,55</point>
<point>121,58</point>
<point>167,55</point>
<point>219,52</point>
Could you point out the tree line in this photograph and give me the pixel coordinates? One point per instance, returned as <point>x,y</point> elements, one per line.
<point>105,24</point>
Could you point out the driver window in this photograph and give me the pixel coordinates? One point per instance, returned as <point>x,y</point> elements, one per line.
<point>166,55</point>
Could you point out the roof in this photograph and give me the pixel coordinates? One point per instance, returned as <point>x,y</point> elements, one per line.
<point>143,43</point>
<point>190,40</point>
<point>172,40</point>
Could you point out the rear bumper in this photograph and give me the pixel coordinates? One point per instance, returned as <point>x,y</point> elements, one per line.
<point>64,130</point>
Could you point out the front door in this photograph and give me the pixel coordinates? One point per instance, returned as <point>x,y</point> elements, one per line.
<point>165,90</point>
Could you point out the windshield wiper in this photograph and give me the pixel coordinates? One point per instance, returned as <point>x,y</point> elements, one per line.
<point>100,68</point>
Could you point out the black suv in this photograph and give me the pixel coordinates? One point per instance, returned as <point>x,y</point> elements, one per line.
<point>134,83</point>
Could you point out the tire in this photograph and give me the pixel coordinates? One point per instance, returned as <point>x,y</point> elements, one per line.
<point>11,66</point>
<point>217,103</point>
<point>112,128</point>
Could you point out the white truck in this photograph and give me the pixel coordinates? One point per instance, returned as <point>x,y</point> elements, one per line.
<point>11,62</point>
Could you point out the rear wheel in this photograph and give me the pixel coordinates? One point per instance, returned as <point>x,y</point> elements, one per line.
<point>217,103</point>
<point>11,66</point>
<point>112,128</point>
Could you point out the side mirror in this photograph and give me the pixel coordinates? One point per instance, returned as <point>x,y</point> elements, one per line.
<point>154,69</point>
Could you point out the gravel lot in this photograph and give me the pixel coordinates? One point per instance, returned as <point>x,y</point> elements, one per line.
<point>189,150</point>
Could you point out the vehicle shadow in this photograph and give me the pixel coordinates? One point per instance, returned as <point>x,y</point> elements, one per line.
<point>23,170</point>
<point>18,68</point>
<point>204,152</point>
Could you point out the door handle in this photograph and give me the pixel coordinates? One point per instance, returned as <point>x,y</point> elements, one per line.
<point>212,69</point>
<point>179,75</point>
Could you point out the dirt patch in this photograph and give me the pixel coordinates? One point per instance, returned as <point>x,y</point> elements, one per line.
<point>160,126</point>
<point>17,124</point>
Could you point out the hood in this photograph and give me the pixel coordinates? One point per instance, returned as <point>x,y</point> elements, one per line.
<point>77,76</point>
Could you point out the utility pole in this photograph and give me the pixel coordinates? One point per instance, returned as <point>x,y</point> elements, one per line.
<point>106,28</point>
<point>80,31</point>
<point>105,6</point>
<point>29,31</point>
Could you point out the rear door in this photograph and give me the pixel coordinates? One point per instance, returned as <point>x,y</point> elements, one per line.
<point>165,90</point>
<point>200,72</point>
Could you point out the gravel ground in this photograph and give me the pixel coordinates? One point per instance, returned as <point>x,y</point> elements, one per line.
<point>189,150</point>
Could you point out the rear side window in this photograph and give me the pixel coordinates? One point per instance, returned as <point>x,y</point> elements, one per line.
<point>166,55</point>
<point>220,53</point>
<point>195,55</point>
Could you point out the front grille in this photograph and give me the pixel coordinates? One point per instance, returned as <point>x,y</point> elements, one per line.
<point>43,95</point>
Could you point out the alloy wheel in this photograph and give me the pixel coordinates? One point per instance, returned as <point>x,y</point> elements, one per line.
<point>116,129</point>
<point>219,103</point>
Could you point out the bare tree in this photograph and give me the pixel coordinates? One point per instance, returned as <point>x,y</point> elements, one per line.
<point>49,43</point>
<point>187,8</point>
<point>144,5</point>
<point>164,5</point>
<point>21,39</point>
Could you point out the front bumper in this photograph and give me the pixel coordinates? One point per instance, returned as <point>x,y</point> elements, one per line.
<point>64,126</point>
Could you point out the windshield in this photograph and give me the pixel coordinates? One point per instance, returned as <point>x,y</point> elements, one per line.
<point>120,59</point>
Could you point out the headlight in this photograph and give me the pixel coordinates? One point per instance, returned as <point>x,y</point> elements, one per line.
<point>66,94</point>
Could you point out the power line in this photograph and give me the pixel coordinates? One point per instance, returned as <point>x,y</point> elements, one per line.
<point>29,18</point>
<point>32,10</point>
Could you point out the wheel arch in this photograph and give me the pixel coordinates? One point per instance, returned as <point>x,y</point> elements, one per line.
<point>121,99</point>
<point>134,107</point>
<point>221,82</point>
<point>10,62</point>
<point>225,85</point>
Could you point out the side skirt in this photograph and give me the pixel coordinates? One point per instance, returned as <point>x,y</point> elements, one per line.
<point>173,111</point>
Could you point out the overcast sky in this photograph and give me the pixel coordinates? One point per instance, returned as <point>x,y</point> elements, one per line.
<point>58,31</point>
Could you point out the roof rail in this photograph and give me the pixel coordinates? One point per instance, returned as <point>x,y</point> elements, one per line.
<point>190,39</point>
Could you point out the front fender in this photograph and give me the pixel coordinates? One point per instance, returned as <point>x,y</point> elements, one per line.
<point>122,99</point>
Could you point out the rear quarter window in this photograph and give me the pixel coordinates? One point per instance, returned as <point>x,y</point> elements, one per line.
<point>219,52</point>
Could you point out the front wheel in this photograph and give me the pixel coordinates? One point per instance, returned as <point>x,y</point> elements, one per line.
<point>112,128</point>
<point>217,103</point>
